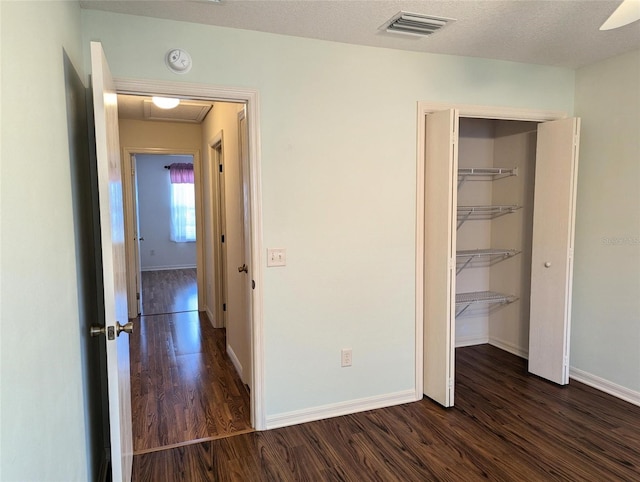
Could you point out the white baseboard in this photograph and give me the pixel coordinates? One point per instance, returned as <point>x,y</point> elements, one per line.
<point>471,340</point>
<point>235,361</point>
<point>509,347</point>
<point>606,386</point>
<point>338,409</point>
<point>167,268</point>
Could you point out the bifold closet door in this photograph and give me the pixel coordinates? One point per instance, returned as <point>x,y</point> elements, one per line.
<point>552,248</point>
<point>441,174</point>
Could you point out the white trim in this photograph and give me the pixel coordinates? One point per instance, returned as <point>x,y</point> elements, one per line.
<point>472,340</point>
<point>342,408</point>
<point>492,112</point>
<point>509,347</point>
<point>235,361</point>
<point>210,316</point>
<point>252,99</point>
<point>464,110</point>
<point>168,268</point>
<point>606,386</point>
<point>419,309</point>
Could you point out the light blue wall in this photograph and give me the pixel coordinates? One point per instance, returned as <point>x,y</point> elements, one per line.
<point>338,177</point>
<point>44,435</point>
<point>605,339</point>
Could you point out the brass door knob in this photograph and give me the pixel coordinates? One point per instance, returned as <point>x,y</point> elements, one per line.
<point>127,328</point>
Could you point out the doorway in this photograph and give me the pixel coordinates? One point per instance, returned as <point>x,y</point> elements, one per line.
<point>516,140</point>
<point>166,226</point>
<point>187,383</point>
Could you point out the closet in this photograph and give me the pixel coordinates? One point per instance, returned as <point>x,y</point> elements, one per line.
<point>499,215</point>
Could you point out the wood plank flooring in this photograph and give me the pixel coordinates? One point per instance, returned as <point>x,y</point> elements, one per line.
<point>169,291</point>
<point>506,425</point>
<point>184,387</point>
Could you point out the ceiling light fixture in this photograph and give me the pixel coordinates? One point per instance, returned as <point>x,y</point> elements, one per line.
<point>415,24</point>
<point>165,102</point>
<point>628,12</point>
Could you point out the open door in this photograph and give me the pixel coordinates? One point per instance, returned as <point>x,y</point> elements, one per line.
<point>552,249</point>
<point>136,244</point>
<point>441,174</point>
<point>246,284</point>
<point>113,265</point>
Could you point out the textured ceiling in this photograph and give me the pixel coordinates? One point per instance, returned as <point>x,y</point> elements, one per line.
<point>549,32</point>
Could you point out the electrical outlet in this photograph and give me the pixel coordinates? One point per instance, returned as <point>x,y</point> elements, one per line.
<point>345,357</point>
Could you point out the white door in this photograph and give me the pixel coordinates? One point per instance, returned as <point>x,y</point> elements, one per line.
<point>222,289</point>
<point>245,230</point>
<point>552,248</point>
<point>114,263</point>
<point>139,238</point>
<point>441,174</point>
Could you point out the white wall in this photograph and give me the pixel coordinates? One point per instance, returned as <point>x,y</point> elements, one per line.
<point>605,339</point>
<point>44,435</point>
<point>157,251</point>
<point>338,179</point>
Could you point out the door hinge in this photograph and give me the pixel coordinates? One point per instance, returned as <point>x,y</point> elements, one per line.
<point>450,383</point>
<point>222,238</point>
<point>224,307</point>
<point>137,296</point>
<point>133,171</point>
<point>220,167</point>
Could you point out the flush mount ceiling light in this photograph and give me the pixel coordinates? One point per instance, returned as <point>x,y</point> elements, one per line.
<point>165,102</point>
<point>416,24</point>
<point>628,12</point>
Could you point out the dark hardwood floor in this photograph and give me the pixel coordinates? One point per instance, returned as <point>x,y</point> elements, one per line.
<point>184,387</point>
<point>506,425</point>
<point>169,291</point>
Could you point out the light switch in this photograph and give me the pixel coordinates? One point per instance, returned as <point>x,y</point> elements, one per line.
<point>276,257</point>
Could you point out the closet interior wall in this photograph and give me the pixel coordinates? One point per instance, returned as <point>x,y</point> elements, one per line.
<point>500,144</point>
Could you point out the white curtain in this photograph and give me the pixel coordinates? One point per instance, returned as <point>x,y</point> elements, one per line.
<point>183,205</point>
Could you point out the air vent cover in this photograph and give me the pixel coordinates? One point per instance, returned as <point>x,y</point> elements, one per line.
<point>416,24</point>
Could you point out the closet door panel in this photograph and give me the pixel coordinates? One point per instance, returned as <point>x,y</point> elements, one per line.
<point>441,167</point>
<point>552,249</point>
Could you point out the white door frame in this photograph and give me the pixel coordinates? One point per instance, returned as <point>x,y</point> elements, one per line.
<point>219,222</point>
<point>251,98</point>
<point>465,110</point>
<point>129,188</point>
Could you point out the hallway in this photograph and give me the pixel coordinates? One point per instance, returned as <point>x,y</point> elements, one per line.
<point>184,387</point>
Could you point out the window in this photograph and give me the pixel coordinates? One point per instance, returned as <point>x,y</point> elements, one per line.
<point>183,204</point>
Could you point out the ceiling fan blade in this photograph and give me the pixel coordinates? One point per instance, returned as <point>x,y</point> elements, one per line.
<point>627,12</point>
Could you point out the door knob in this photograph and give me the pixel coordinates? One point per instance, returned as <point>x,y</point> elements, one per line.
<point>127,328</point>
<point>97,330</point>
<point>243,268</point>
<point>547,264</point>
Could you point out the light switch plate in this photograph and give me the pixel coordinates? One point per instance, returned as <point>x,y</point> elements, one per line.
<point>276,257</point>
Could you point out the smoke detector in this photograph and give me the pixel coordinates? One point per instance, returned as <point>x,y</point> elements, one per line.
<point>416,24</point>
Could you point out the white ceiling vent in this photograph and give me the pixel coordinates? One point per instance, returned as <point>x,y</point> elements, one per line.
<point>416,24</point>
